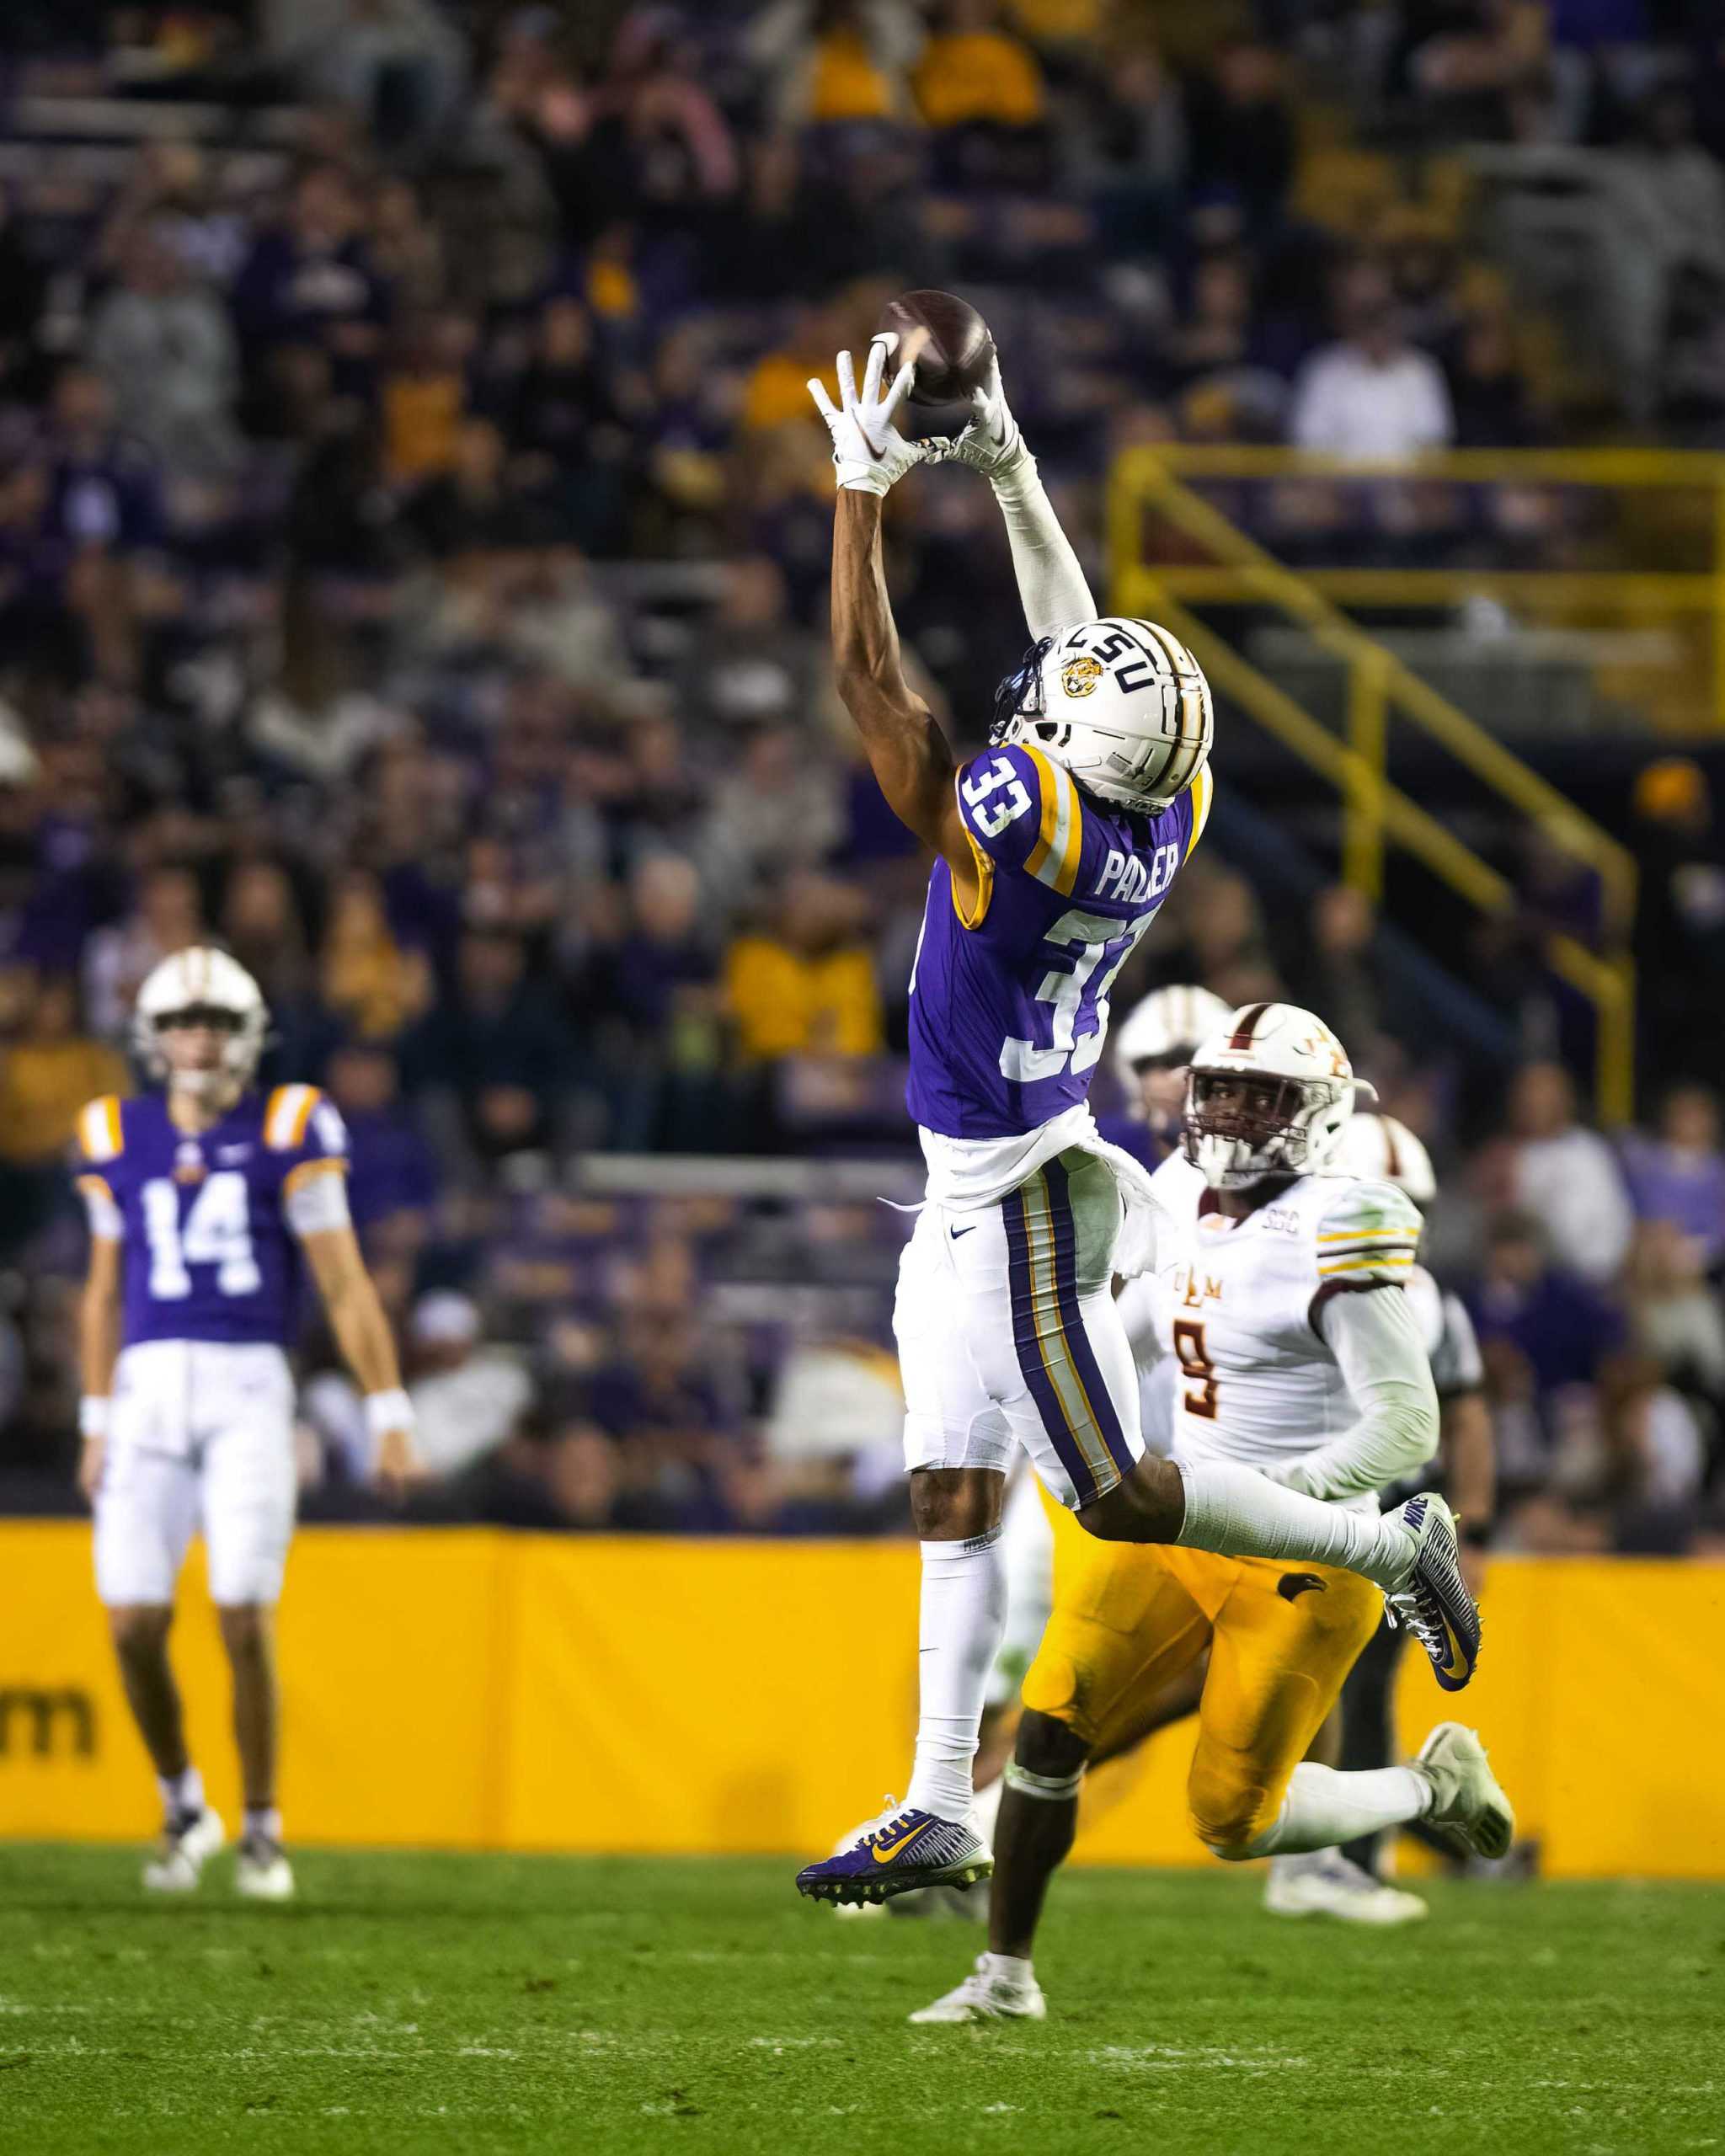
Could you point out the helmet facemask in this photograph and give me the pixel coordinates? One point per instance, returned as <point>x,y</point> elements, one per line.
<point>1243,1125</point>
<point>241,1035</point>
<point>1019,698</point>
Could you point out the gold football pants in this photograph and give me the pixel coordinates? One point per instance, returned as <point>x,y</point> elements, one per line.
<point>1129,1617</point>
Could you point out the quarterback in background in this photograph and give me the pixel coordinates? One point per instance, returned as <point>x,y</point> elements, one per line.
<point>1283,1303</point>
<point>1054,851</point>
<point>203,1200</point>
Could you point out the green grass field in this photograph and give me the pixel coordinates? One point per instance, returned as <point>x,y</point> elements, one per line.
<point>421,2002</point>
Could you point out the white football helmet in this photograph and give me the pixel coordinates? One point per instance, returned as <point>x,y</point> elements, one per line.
<point>1120,704</point>
<point>1378,1148</point>
<point>1165,1027</point>
<point>1270,1094</point>
<point>208,983</point>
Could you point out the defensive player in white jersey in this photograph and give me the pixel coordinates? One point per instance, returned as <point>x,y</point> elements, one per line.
<point>1054,851</point>
<point>205,1201</point>
<point>1343,1883</point>
<point>1283,1303</point>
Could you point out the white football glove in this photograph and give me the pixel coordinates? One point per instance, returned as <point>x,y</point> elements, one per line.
<point>869,449</point>
<point>991,442</point>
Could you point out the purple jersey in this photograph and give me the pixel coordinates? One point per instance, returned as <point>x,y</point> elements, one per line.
<point>1009,1009</point>
<point>208,1250</point>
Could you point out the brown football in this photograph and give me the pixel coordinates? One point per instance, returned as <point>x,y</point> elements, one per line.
<point>947,341</point>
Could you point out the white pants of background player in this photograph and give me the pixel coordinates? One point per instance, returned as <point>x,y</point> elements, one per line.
<point>200,1437</point>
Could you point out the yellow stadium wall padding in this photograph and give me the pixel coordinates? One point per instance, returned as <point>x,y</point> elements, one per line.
<point>469,1689</point>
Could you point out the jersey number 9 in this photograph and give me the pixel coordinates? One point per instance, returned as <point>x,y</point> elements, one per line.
<point>1196,1364</point>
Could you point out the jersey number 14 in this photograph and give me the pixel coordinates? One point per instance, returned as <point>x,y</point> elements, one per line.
<point>217,1230</point>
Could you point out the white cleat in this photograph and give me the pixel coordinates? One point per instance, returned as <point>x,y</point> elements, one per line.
<point>985,1996</point>
<point>179,1863</point>
<point>1467,1796</point>
<point>1327,1884</point>
<point>261,1870</point>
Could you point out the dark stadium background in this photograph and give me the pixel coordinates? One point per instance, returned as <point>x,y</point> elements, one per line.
<point>412,537</point>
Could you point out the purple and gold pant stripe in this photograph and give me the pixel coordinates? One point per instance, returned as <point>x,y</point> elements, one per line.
<point>1054,1350</point>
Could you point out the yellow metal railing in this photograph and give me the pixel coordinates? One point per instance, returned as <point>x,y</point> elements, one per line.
<point>1375,813</point>
<point>1692,597</point>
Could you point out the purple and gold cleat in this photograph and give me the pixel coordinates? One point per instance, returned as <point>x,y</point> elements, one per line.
<point>896,1854</point>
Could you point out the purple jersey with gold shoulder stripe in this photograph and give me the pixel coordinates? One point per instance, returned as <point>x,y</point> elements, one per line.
<point>207,1251</point>
<point>1009,1008</point>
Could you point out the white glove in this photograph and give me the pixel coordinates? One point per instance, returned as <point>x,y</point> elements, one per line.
<point>869,449</point>
<point>991,442</point>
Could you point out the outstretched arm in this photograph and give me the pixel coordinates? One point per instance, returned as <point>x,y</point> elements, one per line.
<point>1051,580</point>
<point>906,749</point>
<point>907,752</point>
<point>1379,1349</point>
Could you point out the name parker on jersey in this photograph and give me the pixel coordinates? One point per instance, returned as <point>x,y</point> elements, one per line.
<point>1127,877</point>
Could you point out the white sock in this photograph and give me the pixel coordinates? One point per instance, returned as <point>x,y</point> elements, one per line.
<point>986,1808</point>
<point>182,1794</point>
<point>264,1819</point>
<point>963,1620</point>
<point>1324,1808</point>
<point>1237,1514</point>
<point>1012,1969</point>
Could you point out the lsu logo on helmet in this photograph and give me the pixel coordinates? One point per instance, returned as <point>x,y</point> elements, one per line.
<point>1079,676</point>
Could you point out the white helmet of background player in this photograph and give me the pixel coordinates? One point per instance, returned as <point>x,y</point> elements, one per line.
<point>1378,1148</point>
<point>205,986</point>
<point>1164,1028</point>
<point>1270,1093</point>
<point>1121,705</point>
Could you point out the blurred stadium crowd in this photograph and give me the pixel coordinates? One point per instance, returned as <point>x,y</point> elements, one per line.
<point>413,543</point>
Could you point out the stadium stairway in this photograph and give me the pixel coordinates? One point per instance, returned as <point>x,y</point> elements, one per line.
<point>1590,958</point>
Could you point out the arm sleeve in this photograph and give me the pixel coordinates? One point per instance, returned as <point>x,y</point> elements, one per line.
<point>1051,581</point>
<point>1378,1348</point>
<point>315,1204</point>
<point>99,1141</point>
<point>314,1185</point>
<point>107,1223</point>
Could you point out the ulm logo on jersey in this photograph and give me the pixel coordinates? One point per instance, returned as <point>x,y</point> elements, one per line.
<point>1187,1292</point>
<point>1129,877</point>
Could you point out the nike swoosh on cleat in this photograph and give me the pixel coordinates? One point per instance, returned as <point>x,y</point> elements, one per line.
<point>886,1851</point>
